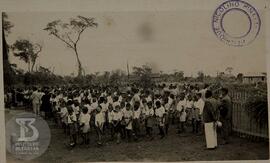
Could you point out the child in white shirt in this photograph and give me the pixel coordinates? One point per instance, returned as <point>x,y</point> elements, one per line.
<point>85,125</point>
<point>94,104</point>
<point>63,116</point>
<point>123,122</point>
<point>189,108</point>
<point>99,122</point>
<point>198,108</point>
<point>150,121</point>
<point>110,99</point>
<point>144,109</point>
<point>167,107</point>
<point>115,102</point>
<point>181,112</point>
<point>76,109</point>
<point>104,110</point>
<point>109,119</point>
<point>160,114</point>
<point>136,120</point>
<point>128,116</point>
<point>116,119</point>
<point>72,123</point>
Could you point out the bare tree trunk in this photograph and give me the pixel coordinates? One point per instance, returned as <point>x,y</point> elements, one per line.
<point>29,67</point>
<point>79,63</point>
<point>32,67</point>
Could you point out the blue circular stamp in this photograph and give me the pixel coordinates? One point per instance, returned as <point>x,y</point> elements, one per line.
<point>248,34</point>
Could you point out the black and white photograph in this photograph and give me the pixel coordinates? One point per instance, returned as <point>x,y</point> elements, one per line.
<point>136,86</point>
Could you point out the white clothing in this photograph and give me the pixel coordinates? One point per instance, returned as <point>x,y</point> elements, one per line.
<point>63,112</point>
<point>199,104</point>
<point>99,120</point>
<point>160,112</point>
<point>94,105</point>
<point>137,114</point>
<point>110,100</point>
<point>36,97</point>
<point>183,116</point>
<point>128,116</point>
<point>190,104</point>
<point>181,105</point>
<point>136,97</point>
<point>110,116</point>
<point>90,108</point>
<point>203,91</point>
<point>72,118</point>
<point>120,99</point>
<point>170,101</point>
<point>84,118</point>
<point>149,112</point>
<point>115,104</point>
<point>210,135</point>
<point>76,109</point>
<point>117,116</point>
<point>148,99</point>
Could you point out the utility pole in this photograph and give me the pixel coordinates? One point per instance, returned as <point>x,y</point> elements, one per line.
<point>128,70</point>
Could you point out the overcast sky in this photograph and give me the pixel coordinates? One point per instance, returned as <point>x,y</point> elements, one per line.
<point>168,41</point>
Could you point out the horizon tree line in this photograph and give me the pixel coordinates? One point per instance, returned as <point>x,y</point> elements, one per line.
<point>70,33</point>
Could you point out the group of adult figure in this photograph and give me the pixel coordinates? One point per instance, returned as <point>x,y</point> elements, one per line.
<point>217,114</point>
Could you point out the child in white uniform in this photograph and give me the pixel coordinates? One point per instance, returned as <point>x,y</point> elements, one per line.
<point>72,123</point>
<point>150,120</point>
<point>99,122</point>
<point>136,120</point>
<point>63,115</point>
<point>85,125</point>
<point>160,114</point>
<point>128,116</point>
<point>116,119</point>
<point>181,111</point>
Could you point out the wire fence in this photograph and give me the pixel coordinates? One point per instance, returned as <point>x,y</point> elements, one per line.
<point>242,122</point>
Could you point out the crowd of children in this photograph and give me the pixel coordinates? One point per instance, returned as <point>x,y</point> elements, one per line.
<point>127,114</point>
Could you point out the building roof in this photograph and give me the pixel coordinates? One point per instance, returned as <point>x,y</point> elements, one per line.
<point>155,75</point>
<point>255,74</point>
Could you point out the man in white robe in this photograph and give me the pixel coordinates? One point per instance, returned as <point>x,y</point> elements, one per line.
<point>210,119</point>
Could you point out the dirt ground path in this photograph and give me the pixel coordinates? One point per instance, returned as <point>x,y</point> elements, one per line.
<point>187,147</point>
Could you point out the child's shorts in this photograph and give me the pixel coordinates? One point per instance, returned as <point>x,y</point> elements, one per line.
<point>197,114</point>
<point>171,115</point>
<point>136,124</point>
<point>128,124</point>
<point>161,121</point>
<point>117,128</point>
<point>73,128</point>
<point>150,122</point>
<point>183,117</point>
<point>86,128</point>
<point>189,113</point>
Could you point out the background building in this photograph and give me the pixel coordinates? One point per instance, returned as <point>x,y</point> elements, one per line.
<point>250,78</point>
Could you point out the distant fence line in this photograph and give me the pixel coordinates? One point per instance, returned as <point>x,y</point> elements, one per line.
<point>242,122</point>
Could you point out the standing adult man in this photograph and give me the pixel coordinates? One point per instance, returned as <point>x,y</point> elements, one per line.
<point>225,115</point>
<point>198,106</point>
<point>35,97</point>
<point>46,104</point>
<point>210,119</point>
